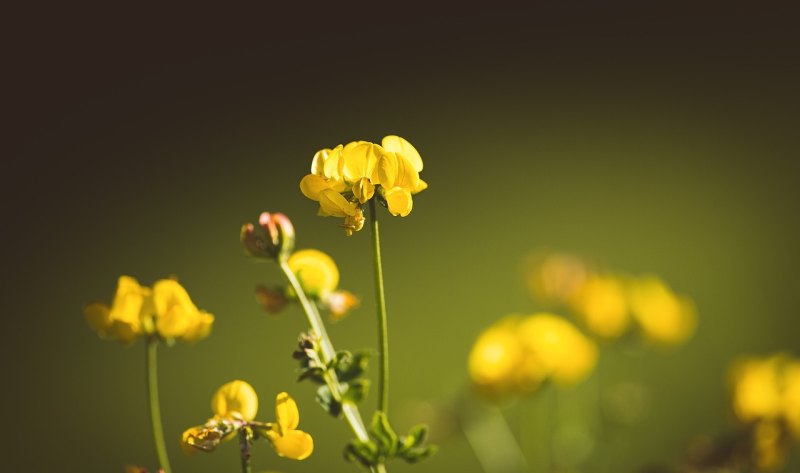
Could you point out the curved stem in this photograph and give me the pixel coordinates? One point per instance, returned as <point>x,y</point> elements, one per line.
<point>380,302</point>
<point>350,411</point>
<point>153,404</point>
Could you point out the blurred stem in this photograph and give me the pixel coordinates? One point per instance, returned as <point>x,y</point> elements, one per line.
<point>383,326</point>
<point>350,410</point>
<point>153,403</point>
<point>244,448</point>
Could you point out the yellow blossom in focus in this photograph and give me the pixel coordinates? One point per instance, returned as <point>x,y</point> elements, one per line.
<point>564,353</point>
<point>601,305</point>
<point>316,271</point>
<point>664,317</point>
<point>344,178</point>
<point>285,438</point>
<point>235,400</point>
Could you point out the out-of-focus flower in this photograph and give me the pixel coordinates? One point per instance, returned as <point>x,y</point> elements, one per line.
<point>165,310</point>
<point>285,438</point>
<point>601,305</point>
<point>340,303</point>
<point>769,449</point>
<point>316,271</point>
<point>665,318</point>
<point>566,355</point>
<point>273,300</point>
<point>756,388</point>
<point>791,397</point>
<point>516,354</point>
<point>495,359</point>
<point>344,178</point>
<point>553,277</point>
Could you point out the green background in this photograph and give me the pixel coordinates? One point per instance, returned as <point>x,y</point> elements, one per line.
<point>656,140</point>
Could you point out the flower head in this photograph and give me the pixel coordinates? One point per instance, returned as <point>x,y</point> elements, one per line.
<point>316,271</point>
<point>165,310</point>
<point>344,178</point>
<point>665,318</point>
<point>235,400</point>
<point>601,304</point>
<point>285,438</point>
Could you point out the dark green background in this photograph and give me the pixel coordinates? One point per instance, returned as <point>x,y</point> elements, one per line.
<point>658,138</point>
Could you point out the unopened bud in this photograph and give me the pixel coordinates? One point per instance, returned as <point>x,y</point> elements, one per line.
<point>276,239</point>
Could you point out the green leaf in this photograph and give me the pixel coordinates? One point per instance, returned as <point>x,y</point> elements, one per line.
<point>356,391</point>
<point>365,453</point>
<point>315,374</point>
<point>415,455</point>
<point>326,400</point>
<point>383,434</point>
<point>416,437</point>
<point>349,366</point>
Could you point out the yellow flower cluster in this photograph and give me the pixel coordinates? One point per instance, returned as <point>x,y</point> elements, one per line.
<point>607,304</point>
<point>516,354</point>
<point>347,176</point>
<point>766,394</point>
<point>165,309</point>
<point>235,405</point>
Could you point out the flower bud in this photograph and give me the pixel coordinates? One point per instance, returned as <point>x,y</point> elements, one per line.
<point>276,241</point>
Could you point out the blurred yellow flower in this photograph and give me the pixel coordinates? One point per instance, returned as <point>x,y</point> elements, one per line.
<point>136,311</point>
<point>553,277</point>
<point>123,320</point>
<point>346,177</point>
<point>600,303</point>
<point>495,358</point>
<point>235,400</point>
<point>515,355</point>
<point>791,397</point>
<point>664,317</point>
<point>552,342</point>
<point>285,438</point>
<point>316,271</point>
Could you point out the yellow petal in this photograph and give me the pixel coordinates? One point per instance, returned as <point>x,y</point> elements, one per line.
<point>129,301</point>
<point>316,271</point>
<point>200,328</point>
<point>401,146</point>
<point>235,397</point>
<point>363,190</point>
<point>295,444</point>
<point>385,172</point>
<point>318,163</point>
<point>175,312</point>
<point>399,201</point>
<point>358,160</point>
<point>98,317</point>
<point>334,204</point>
<point>421,186</point>
<point>332,167</point>
<point>286,413</point>
<point>407,176</point>
<point>312,185</point>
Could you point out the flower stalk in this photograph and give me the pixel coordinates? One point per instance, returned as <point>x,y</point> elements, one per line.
<point>153,403</point>
<point>244,448</point>
<point>380,302</point>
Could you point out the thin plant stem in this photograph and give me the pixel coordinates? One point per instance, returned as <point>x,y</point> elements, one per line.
<point>244,448</point>
<point>153,403</point>
<point>380,302</point>
<point>350,411</point>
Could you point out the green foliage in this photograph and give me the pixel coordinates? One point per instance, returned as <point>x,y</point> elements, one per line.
<point>384,444</point>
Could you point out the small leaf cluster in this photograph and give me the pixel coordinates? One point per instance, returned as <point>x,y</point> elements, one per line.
<point>385,444</point>
<point>345,371</point>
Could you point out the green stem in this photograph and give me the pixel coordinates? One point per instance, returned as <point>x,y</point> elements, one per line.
<point>350,410</point>
<point>244,448</point>
<point>380,302</point>
<point>155,407</point>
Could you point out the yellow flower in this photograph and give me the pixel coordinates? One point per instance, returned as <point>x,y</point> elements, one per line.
<point>601,305</point>
<point>344,178</point>
<point>286,439</point>
<point>791,397</point>
<point>200,438</point>
<point>495,359</point>
<point>554,278</point>
<point>664,317</point>
<point>235,400</point>
<point>123,320</point>
<point>316,271</point>
<point>563,352</point>
<point>175,314</point>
